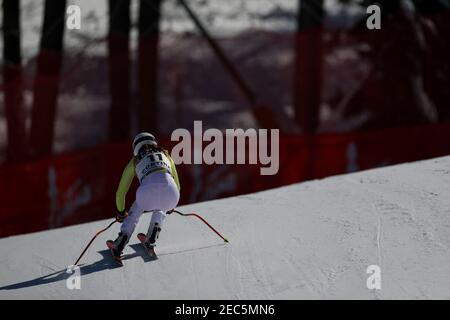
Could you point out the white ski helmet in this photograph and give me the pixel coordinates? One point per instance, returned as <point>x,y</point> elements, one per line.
<point>143,138</point>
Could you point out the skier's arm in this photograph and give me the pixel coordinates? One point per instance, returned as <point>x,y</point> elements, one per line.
<point>173,171</point>
<point>124,185</point>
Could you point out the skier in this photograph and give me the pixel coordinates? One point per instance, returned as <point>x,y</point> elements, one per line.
<point>158,192</point>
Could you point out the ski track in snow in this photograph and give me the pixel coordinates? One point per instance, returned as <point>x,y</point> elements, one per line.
<point>304,241</point>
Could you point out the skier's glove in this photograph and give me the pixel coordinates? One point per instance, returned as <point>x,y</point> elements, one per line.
<point>121,215</point>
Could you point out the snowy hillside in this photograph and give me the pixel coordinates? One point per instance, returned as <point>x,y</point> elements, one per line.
<point>309,240</point>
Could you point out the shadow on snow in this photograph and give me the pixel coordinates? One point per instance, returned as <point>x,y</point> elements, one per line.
<point>106,263</point>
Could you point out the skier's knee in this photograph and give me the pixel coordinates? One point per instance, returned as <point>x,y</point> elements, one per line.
<point>158,217</point>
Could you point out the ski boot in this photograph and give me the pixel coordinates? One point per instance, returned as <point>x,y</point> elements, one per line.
<point>117,246</point>
<point>149,242</point>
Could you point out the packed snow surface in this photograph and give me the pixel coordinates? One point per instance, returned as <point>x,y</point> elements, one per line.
<point>304,241</point>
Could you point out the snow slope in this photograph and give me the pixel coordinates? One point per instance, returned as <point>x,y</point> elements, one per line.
<point>309,240</point>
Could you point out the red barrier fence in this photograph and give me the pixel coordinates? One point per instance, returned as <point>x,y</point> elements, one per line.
<point>80,186</point>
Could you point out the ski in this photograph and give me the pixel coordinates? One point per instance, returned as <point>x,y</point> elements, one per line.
<point>116,257</point>
<point>149,249</point>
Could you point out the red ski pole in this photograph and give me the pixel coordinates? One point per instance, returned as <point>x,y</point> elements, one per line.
<point>196,215</point>
<point>93,240</point>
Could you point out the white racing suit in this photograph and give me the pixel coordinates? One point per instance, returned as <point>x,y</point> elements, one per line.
<point>158,193</point>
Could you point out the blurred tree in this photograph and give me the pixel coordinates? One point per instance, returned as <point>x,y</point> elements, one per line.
<point>149,17</point>
<point>47,78</point>
<point>119,69</point>
<point>12,81</point>
<point>308,73</point>
<point>308,64</point>
<point>397,90</point>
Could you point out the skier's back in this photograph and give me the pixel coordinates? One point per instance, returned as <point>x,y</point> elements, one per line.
<point>159,190</point>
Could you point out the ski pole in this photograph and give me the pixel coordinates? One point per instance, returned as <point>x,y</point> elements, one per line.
<point>90,242</point>
<point>196,215</point>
